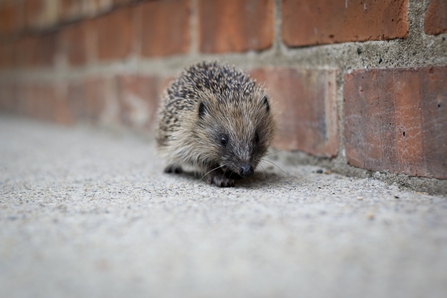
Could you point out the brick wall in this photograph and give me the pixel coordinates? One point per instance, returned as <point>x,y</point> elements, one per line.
<point>363,82</point>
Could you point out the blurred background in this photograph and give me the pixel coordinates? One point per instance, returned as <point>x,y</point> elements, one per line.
<point>360,81</point>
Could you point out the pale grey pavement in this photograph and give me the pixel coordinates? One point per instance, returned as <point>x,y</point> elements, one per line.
<point>87,213</point>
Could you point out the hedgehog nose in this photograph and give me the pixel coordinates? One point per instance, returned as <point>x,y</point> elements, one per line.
<point>246,171</point>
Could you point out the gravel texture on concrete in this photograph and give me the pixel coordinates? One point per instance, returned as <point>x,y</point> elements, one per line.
<point>88,213</point>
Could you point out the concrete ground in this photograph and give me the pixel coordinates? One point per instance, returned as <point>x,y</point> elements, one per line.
<point>87,213</point>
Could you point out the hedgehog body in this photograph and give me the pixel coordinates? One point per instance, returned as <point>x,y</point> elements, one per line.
<point>215,118</point>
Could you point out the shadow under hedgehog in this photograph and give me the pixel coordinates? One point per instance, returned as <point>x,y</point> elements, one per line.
<point>214,118</point>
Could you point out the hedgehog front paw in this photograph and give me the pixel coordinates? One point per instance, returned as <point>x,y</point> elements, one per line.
<point>171,169</point>
<point>218,178</point>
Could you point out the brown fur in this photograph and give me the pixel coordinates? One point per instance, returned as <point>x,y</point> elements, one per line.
<point>207,103</point>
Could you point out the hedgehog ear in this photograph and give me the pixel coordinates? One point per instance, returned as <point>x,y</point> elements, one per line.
<point>202,110</point>
<point>265,102</point>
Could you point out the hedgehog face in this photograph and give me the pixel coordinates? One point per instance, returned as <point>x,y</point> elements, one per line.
<point>238,132</point>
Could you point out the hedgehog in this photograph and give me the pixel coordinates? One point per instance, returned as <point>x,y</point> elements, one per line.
<point>216,119</point>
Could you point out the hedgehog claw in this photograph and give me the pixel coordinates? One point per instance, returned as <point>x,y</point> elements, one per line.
<point>171,169</point>
<point>218,178</point>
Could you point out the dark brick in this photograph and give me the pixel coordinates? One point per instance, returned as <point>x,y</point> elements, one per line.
<point>138,98</point>
<point>165,27</point>
<point>307,111</point>
<point>8,55</point>
<point>36,51</point>
<point>10,17</point>
<point>26,52</point>
<point>436,17</point>
<point>396,120</point>
<point>114,34</point>
<point>327,21</point>
<point>235,25</point>
<point>47,49</point>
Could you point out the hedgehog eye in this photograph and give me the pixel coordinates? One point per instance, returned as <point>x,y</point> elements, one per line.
<point>202,110</point>
<point>266,103</point>
<point>224,140</point>
<point>256,138</point>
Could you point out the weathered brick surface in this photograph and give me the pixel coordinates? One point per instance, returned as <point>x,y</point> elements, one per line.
<point>235,25</point>
<point>47,46</point>
<point>40,100</point>
<point>436,17</point>
<point>70,10</point>
<point>87,99</point>
<point>25,54</point>
<point>10,17</point>
<point>114,34</point>
<point>306,102</point>
<point>34,11</point>
<point>74,43</point>
<point>8,55</point>
<point>328,21</point>
<point>396,120</point>
<point>165,27</point>
<point>36,51</point>
<point>29,52</point>
<point>43,101</point>
<point>40,14</point>
<point>138,98</point>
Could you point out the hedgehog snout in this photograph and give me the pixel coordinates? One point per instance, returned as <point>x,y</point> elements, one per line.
<point>246,170</point>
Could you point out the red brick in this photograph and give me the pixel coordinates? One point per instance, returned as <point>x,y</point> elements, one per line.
<point>34,11</point>
<point>26,53</point>
<point>39,100</point>
<point>165,27</point>
<point>305,100</point>
<point>114,35</point>
<point>8,55</point>
<point>70,10</point>
<point>328,21</point>
<point>235,25</point>
<point>47,49</point>
<point>87,99</point>
<point>395,120</point>
<point>36,51</point>
<point>138,98</point>
<point>436,17</point>
<point>10,17</point>
<point>74,40</point>
<point>40,14</point>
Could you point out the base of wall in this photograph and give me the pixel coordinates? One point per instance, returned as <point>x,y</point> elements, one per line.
<point>339,165</point>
